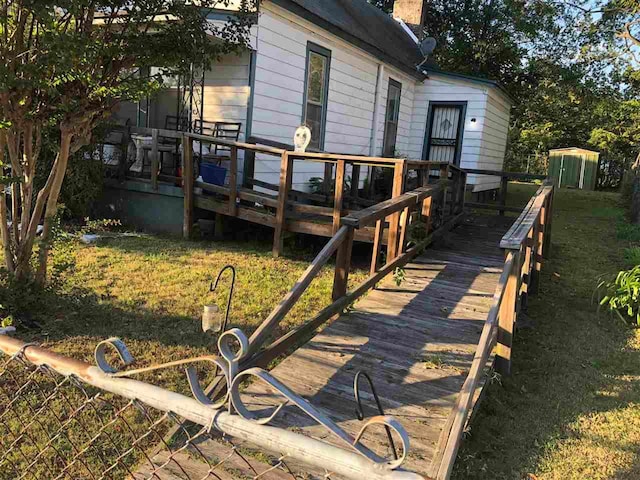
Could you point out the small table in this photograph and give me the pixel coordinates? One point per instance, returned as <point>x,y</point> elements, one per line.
<point>144,144</point>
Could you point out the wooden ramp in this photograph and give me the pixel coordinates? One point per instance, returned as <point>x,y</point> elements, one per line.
<point>416,341</point>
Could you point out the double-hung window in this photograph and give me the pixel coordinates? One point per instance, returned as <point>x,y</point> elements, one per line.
<point>316,93</point>
<point>392,114</point>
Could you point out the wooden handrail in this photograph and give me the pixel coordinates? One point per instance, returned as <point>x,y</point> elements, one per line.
<point>519,230</point>
<point>525,243</point>
<point>274,318</point>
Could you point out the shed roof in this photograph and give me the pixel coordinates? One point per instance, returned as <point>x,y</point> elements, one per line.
<point>365,26</point>
<point>573,150</point>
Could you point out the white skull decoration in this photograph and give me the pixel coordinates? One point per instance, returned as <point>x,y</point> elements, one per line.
<point>302,138</point>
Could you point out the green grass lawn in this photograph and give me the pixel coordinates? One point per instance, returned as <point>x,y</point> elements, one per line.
<point>150,291</point>
<point>572,406</point>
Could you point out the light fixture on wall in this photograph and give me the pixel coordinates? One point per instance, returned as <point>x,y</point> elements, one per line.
<point>473,120</point>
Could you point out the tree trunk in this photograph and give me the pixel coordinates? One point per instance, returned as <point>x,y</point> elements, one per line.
<point>634,210</point>
<point>60,168</point>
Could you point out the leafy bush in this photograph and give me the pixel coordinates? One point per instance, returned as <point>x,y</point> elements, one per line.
<point>622,295</point>
<point>628,231</point>
<point>632,256</point>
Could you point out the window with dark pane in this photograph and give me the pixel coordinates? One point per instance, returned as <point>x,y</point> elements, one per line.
<point>317,83</point>
<point>391,118</point>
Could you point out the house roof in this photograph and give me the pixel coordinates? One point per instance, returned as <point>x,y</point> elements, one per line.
<point>486,81</point>
<point>363,25</point>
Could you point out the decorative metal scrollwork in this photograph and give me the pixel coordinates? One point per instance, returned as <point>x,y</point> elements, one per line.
<point>229,363</point>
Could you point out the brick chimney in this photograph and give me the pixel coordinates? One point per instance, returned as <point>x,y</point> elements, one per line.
<point>412,13</point>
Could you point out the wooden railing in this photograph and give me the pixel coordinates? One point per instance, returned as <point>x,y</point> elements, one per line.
<point>501,206</point>
<point>525,244</point>
<point>288,208</point>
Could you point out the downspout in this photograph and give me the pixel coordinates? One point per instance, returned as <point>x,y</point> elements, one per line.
<point>376,112</point>
<point>373,142</point>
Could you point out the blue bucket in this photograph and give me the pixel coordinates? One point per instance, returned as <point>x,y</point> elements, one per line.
<point>212,173</point>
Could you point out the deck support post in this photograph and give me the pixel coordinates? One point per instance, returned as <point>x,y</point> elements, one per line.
<point>155,159</point>
<point>507,318</point>
<point>338,195</point>
<point>286,164</point>
<point>394,219</point>
<point>444,175</point>
<point>343,265</point>
<point>187,185</point>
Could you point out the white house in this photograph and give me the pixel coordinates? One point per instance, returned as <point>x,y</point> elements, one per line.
<point>356,76</point>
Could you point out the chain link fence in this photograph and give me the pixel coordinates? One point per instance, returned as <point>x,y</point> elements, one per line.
<point>64,419</point>
<point>58,427</point>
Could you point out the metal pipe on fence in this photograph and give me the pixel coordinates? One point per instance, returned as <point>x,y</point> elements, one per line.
<point>307,450</point>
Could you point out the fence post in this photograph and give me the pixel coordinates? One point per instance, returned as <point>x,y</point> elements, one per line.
<point>338,195</point>
<point>343,265</point>
<point>286,164</point>
<point>507,318</point>
<point>233,181</point>
<point>187,185</point>
<point>155,159</point>
<point>394,218</point>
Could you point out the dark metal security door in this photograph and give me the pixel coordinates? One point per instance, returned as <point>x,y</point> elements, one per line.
<point>444,132</point>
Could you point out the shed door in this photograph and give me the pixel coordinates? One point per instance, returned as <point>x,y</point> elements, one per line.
<point>444,141</point>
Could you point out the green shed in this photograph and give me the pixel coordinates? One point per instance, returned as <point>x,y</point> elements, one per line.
<point>574,167</point>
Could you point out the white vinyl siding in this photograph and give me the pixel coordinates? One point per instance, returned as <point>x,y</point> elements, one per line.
<point>279,92</point>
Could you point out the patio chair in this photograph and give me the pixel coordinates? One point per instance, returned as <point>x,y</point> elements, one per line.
<point>173,122</point>
<point>219,129</point>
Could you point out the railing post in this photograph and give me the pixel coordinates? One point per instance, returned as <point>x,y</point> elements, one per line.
<point>546,248</point>
<point>187,185</point>
<point>155,159</point>
<point>427,212</point>
<point>538,250</point>
<point>504,183</point>
<point>233,181</point>
<point>507,318</point>
<point>526,271</point>
<point>404,225</point>
<point>394,219</point>
<point>338,195</point>
<point>355,181</point>
<point>326,180</point>
<point>343,265</point>
<point>286,164</point>
<point>444,175</point>
<point>377,240</point>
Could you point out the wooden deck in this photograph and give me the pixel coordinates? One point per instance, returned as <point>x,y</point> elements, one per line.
<point>416,341</point>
